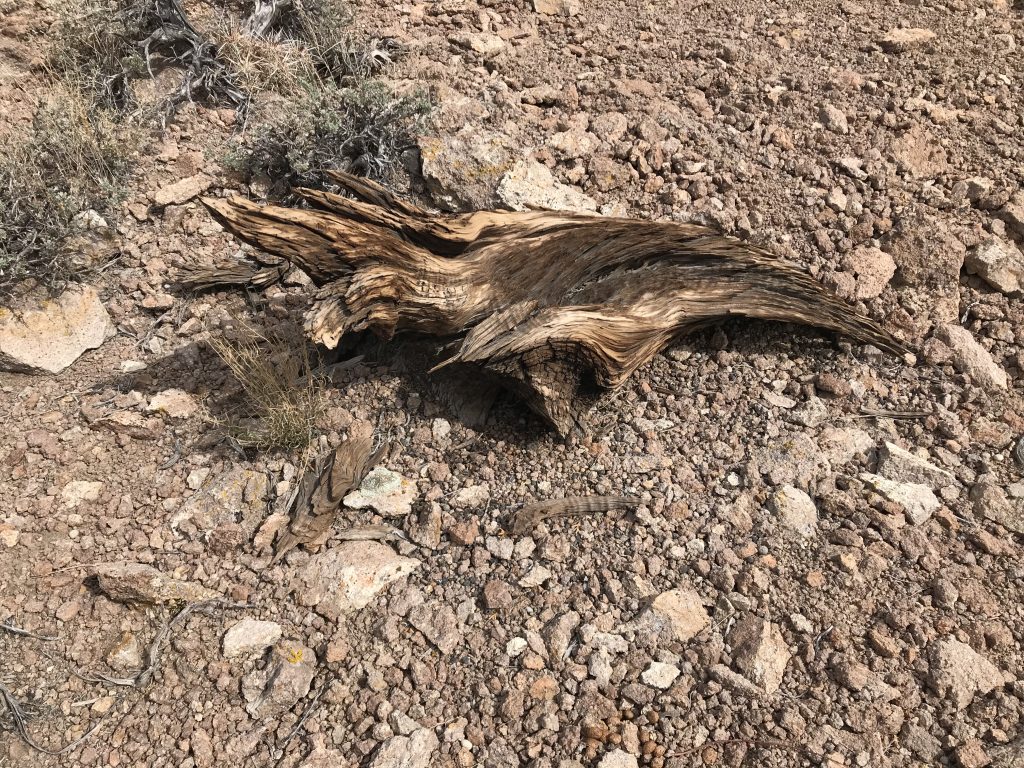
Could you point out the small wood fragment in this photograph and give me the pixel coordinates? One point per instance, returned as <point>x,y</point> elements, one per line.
<point>370,533</point>
<point>531,515</point>
<point>321,490</point>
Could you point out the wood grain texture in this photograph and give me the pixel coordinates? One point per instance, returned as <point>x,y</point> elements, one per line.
<point>530,516</point>
<point>321,492</point>
<point>547,301</point>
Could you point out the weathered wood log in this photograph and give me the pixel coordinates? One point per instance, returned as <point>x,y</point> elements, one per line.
<point>547,301</point>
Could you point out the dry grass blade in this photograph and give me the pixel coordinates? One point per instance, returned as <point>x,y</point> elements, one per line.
<point>8,626</point>
<point>551,303</point>
<point>16,716</point>
<point>371,533</point>
<point>530,516</point>
<point>322,490</point>
<point>284,405</point>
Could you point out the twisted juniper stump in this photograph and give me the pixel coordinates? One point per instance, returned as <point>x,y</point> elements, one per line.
<point>547,301</point>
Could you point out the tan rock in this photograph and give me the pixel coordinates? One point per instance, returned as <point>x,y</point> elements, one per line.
<point>970,357</point>
<point>347,577</point>
<point>557,7</point>
<point>759,652</point>
<point>77,491</point>
<point>176,403</point>
<point>50,336</point>
<point>181,191</point>
<point>873,269</point>
<point>999,263</point>
<point>135,582</point>
<point>902,40</point>
<point>960,673</point>
<point>683,612</point>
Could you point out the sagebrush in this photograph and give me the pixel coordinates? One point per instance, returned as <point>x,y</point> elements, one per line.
<point>72,159</point>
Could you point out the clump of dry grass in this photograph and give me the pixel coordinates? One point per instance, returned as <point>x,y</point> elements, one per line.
<point>285,399</point>
<point>72,159</point>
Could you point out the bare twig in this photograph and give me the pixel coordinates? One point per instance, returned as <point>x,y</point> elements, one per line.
<point>156,648</point>
<point>8,626</point>
<point>17,718</point>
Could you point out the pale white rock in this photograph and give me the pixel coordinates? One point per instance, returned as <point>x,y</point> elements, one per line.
<point>843,444</point>
<point>760,652</point>
<point>680,611</point>
<point>484,43</point>
<point>439,625</point>
<point>49,336</point>
<point>78,491</point>
<point>901,465</point>
<point>779,401</point>
<point>833,118</point>
<point>812,413</point>
<point>440,429</point>
<point>197,477</point>
<point>918,501</point>
<point>999,263</point>
<point>660,675</point>
<point>250,636</point>
<point>618,758</point>
<point>735,681</point>
<point>970,357</point>
<point>530,185</point>
<point>535,576</point>
<point>385,491</point>
<point>413,751</point>
<point>126,654</point>
<point>902,40</point>
<point>599,666</point>
<point>132,366</point>
<point>515,646</point>
<point>795,509</point>
<point>402,724</point>
<point>959,673</point>
<point>472,497</point>
<point>557,7</point>
<point>347,577</point>
<point>610,641</point>
<point>176,403</point>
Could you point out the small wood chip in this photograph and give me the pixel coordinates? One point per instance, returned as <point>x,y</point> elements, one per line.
<point>370,533</point>
<point>321,490</point>
<point>530,516</point>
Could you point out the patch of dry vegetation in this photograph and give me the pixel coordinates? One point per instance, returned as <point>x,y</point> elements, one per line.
<point>284,398</point>
<point>334,113</point>
<point>363,129</point>
<point>323,110</point>
<point>72,160</point>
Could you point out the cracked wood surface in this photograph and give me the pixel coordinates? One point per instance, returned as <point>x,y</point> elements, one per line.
<point>549,302</point>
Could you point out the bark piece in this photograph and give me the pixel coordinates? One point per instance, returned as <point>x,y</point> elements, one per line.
<point>321,490</point>
<point>549,302</point>
<point>531,515</point>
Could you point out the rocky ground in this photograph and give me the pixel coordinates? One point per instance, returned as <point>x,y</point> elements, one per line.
<point>826,568</point>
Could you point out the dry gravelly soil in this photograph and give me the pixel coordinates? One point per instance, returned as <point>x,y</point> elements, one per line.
<point>882,628</point>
